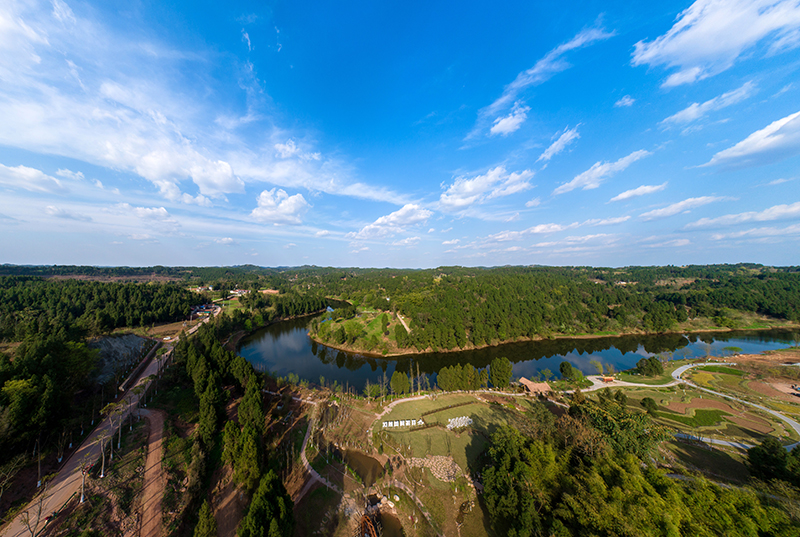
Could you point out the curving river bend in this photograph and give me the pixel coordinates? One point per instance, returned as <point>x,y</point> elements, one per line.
<point>285,347</point>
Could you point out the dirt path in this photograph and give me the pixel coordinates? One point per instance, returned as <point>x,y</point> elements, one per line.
<point>153,476</point>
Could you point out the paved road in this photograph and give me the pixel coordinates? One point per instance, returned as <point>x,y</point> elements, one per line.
<point>792,423</point>
<point>68,479</point>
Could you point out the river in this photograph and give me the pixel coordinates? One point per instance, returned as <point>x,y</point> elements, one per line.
<point>285,347</point>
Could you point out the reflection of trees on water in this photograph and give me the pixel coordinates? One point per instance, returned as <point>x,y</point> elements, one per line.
<point>537,350</point>
<point>350,364</point>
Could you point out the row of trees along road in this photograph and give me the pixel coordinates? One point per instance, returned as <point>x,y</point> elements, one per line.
<point>49,392</point>
<point>207,367</point>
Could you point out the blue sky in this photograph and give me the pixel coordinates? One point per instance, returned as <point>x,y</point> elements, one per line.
<point>399,134</point>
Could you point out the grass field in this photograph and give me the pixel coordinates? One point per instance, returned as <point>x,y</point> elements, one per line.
<point>465,447</point>
<point>657,380</point>
<point>722,369</point>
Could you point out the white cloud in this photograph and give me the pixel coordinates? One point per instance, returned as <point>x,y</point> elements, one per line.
<point>451,242</point>
<point>777,141</point>
<point>226,241</point>
<point>779,181</point>
<point>289,246</point>
<point>710,35</point>
<point>541,229</point>
<point>552,63</point>
<point>465,192</point>
<point>606,221</point>
<point>391,224</point>
<point>69,174</point>
<point>408,241</point>
<point>289,149</point>
<point>627,100</point>
<point>246,39</point>
<point>776,212</point>
<point>679,207</point>
<point>559,145</point>
<point>639,191</point>
<point>130,110</point>
<point>697,111</point>
<point>760,232</point>
<point>535,202</point>
<point>322,233</point>
<point>431,230</point>
<point>595,175</point>
<point>68,215</point>
<point>215,177</point>
<point>278,207</point>
<point>507,124</point>
<point>669,244</point>
<point>63,13</point>
<point>30,179</point>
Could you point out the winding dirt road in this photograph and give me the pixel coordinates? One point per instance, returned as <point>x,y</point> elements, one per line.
<point>153,475</point>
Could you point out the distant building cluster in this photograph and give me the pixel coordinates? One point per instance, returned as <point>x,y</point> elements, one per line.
<point>202,289</point>
<point>201,309</point>
<point>240,292</point>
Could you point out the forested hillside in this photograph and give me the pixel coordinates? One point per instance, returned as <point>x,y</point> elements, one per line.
<point>458,307</point>
<point>48,375</point>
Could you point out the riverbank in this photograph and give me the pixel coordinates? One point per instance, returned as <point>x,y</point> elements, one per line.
<point>236,337</point>
<point>554,337</point>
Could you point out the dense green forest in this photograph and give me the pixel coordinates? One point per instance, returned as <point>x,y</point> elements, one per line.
<point>456,307</point>
<point>71,309</point>
<point>47,380</point>
<point>590,472</point>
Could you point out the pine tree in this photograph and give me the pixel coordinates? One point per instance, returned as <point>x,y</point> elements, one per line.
<point>207,525</point>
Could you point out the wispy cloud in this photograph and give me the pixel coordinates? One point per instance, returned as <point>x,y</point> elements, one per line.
<point>535,202</point>
<point>696,111</point>
<point>408,241</point>
<point>594,176</point>
<point>466,192</point>
<point>30,179</point>
<point>760,232</point>
<point>674,243</point>
<point>130,110</point>
<point>540,229</point>
<point>625,101</point>
<point>67,215</point>
<point>776,212</point>
<point>639,191</point>
<point>565,138</point>
<point>246,40</point>
<point>777,141</point>
<point>680,207</point>
<point>710,35</point>
<point>606,221</point>
<point>510,123</point>
<point>552,63</point>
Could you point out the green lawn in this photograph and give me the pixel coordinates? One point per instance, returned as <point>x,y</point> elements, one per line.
<point>722,369</point>
<point>653,381</point>
<point>702,417</point>
<point>464,447</point>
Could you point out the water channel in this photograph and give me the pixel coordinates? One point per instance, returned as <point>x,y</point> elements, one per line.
<point>285,347</point>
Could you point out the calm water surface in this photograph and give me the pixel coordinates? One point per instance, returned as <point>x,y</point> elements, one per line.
<point>285,348</point>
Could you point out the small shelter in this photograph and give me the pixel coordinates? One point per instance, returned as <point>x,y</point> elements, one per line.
<point>535,387</point>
